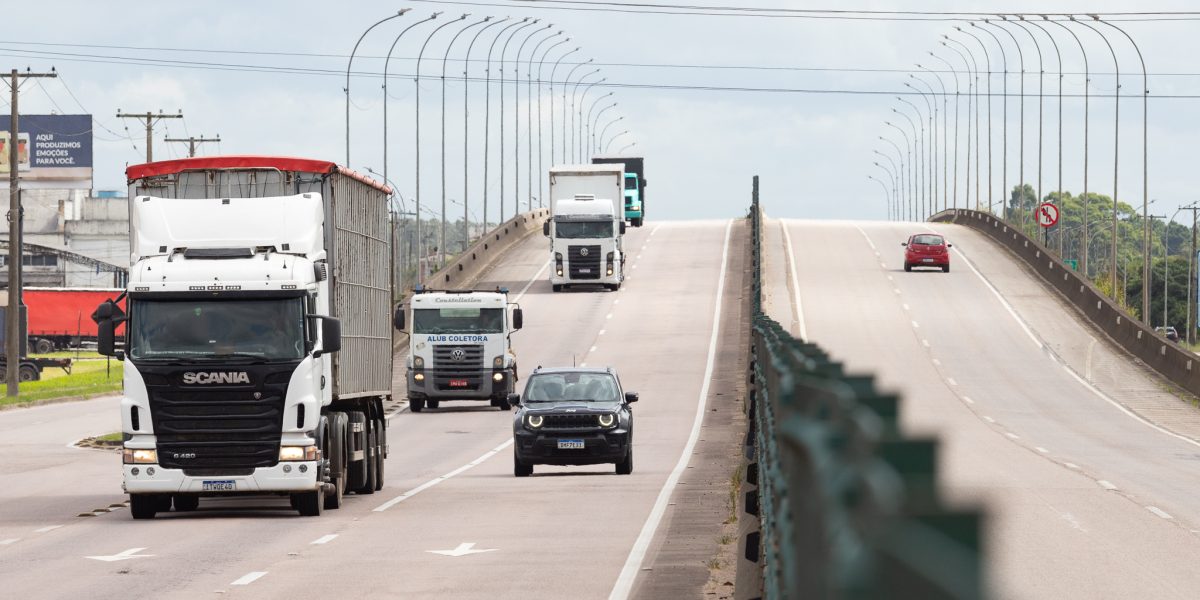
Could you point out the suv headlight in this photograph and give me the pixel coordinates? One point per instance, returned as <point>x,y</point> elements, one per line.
<point>533,421</point>
<point>139,456</point>
<point>609,420</point>
<point>291,453</point>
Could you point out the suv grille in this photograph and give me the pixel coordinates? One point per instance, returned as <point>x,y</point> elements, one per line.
<point>216,429</point>
<point>571,422</point>
<point>584,267</point>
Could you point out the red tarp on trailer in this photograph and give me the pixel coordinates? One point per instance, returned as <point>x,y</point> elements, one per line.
<point>64,311</point>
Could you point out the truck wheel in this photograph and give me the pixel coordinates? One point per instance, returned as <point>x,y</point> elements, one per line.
<point>143,506</point>
<point>379,458</point>
<point>637,222</point>
<point>433,403</point>
<point>43,346</point>
<point>309,504</point>
<point>625,467</point>
<point>186,503</point>
<point>335,439</point>
<point>369,463</point>
<point>556,287</point>
<point>416,404</point>
<point>521,469</point>
<point>28,373</point>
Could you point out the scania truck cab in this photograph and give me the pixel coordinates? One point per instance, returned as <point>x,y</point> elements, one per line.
<point>460,347</point>
<point>257,345</point>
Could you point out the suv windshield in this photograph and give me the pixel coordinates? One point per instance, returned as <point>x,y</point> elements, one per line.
<point>927,240</point>
<point>581,387</point>
<point>458,320</point>
<point>266,328</point>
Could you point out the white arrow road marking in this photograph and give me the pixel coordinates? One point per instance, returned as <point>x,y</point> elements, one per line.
<point>126,555</point>
<point>463,549</point>
<point>249,578</point>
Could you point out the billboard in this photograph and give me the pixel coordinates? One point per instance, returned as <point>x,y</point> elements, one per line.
<point>48,147</point>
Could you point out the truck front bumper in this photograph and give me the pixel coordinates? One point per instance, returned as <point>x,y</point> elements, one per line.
<point>481,385</point>
<point>291,476</point>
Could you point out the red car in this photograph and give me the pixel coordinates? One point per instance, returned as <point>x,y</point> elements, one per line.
<point>926,250</point>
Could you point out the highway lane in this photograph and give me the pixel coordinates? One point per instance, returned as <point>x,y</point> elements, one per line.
<point>199,553</point>
<point>1086,501</point>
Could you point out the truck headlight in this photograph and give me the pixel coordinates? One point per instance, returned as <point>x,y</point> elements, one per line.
<point>299,453</point>
<point>608,420</point>
<point>139,456</point>
<point>497,376</point>
<point>533,421</point>
<point>418,362</point>
<point>418,377</point>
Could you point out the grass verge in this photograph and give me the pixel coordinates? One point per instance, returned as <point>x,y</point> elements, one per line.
<point>87,378</point>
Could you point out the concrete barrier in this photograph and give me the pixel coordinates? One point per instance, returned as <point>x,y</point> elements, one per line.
<point>464,270</point>
<point>1156,351</point>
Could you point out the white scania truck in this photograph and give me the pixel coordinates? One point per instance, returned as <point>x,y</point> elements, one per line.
<point>586,225</point>
<point>258,332</point>
<point>460,347</point>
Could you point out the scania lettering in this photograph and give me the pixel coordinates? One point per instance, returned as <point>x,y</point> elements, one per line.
<point>586,226</point>
<point>460,347</point>
<point>245,273</point>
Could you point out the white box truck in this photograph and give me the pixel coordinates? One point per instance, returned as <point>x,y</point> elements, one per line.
<point>460,347</point>
<point>257,349</point>
<point>586,226</point>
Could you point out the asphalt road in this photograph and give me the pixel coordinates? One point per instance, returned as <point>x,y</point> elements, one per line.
<point>1088,465</point>
<point>580,532</point>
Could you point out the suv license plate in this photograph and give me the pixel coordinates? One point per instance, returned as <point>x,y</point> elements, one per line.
<point>220,486</point>
<point>570,445</point>
<point>458,383</point>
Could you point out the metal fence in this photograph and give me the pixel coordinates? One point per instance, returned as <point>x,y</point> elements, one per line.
<point>848,506</point>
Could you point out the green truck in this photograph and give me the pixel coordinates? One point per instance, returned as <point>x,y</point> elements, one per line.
<point>635,185</point>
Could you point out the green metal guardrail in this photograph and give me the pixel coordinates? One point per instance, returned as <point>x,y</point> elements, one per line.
<point>848,505</point>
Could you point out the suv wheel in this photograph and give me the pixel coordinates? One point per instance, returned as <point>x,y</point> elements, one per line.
<point>625,467</point>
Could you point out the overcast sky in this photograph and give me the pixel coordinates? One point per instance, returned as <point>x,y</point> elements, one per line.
<point>813,150</point>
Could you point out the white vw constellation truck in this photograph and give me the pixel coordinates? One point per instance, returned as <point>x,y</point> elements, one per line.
<point>586,225</point>
<point>258,332</point>
<point>460,347</point>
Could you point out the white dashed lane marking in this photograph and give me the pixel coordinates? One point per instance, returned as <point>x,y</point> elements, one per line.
<point>325,539</point>
<point>1158,511</point>
<point>1106,485</point>
<point>249,578</point>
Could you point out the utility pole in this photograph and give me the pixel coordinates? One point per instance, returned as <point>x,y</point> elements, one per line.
<point>149,119</point>
<point>1190,335</point>
<point>191,141</point>
<point>13,330</point>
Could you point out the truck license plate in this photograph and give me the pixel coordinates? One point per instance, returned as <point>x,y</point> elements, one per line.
<point>570,445</point>
<point>458,383</point>
<point>585,270</point>
<point>226,485</point>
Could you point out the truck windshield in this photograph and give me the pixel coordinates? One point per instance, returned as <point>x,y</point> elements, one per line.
<point>630,182</point>
<point>266,328</point>
<point>458,320</point>
<point>577,230</point>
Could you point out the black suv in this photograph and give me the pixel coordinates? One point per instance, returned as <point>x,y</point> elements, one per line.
<point>572,416</point>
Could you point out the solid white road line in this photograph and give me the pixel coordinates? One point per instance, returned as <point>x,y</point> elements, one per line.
<point>433,482</point>
<point>799,305</point>
<point>325,539</point>
<point>637,554</point>
<point>249,578</point>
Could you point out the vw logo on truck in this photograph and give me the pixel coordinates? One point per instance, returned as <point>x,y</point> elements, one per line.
<point>458,354</point>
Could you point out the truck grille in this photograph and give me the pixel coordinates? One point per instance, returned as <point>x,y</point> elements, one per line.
<point>449,373</point>
<point>571,422</point>
<point>217,429</point>
<point>584,267</point>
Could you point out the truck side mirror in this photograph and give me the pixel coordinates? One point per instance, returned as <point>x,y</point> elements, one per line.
<point>518,318</point>
<point>398,318</point>
<point>622,227</point>
<point>105,344</point>
<point>546,228</point>
<point>331,335</point>
<point>631,397</point>
<point>514,399</point>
